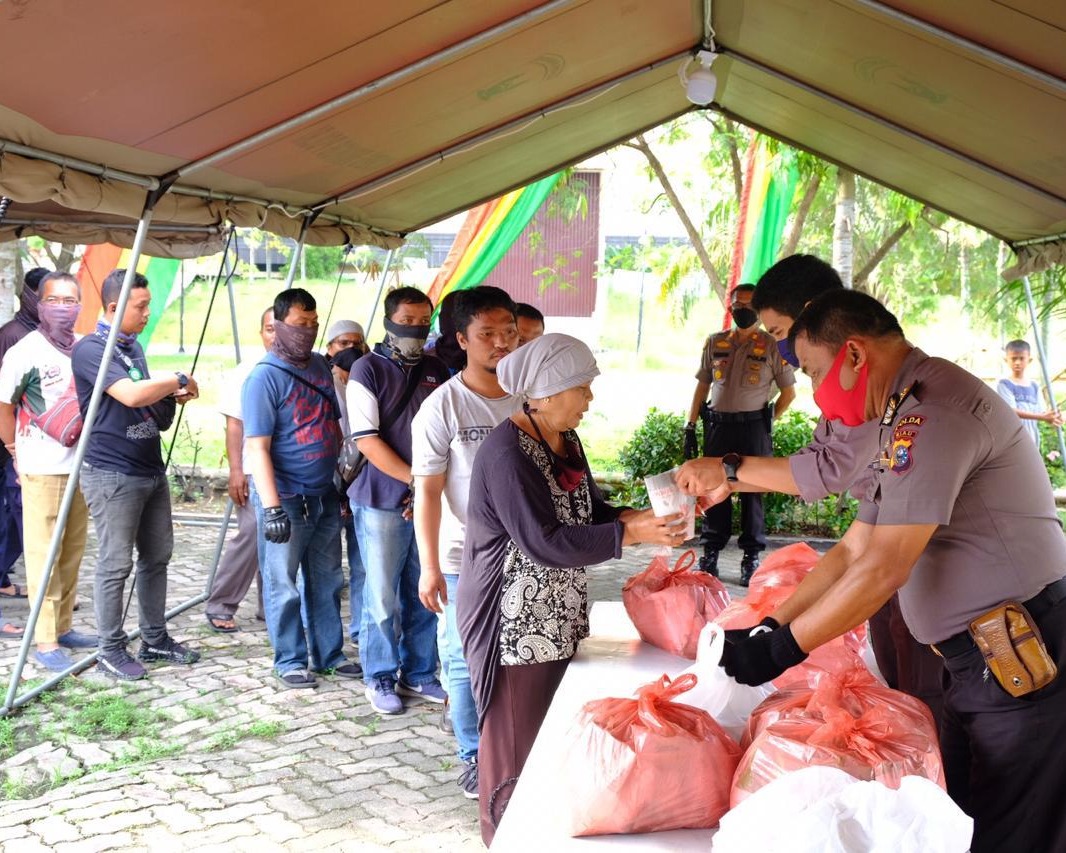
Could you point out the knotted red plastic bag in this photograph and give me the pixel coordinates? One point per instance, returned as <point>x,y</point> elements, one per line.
<point>866,730</point>
<point>785,567</point>
<point>669,607</point>
<point>773,582</point>
<point>647,764</point>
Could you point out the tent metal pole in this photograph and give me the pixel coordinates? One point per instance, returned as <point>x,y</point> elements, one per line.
<point>925,141</point>
<point>381,288</point>
<point>1043,364</point>
<point>416,69</point>
<point>220,544</point>
<point>227,271</point>
<point>498,132</point>
<point>966,44</point>
<point>294,259</point>
<point>79,454</point>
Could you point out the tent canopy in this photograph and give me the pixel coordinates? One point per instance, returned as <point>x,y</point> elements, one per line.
<point>364,123</point>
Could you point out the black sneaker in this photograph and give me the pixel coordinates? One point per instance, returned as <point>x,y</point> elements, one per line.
<point>467,780</point>
<point>118,664</point>
<point>345,670</point>
<point>297,679</point>
<point>709,563</point>
<point>169,650</point>
<point>748,566</point>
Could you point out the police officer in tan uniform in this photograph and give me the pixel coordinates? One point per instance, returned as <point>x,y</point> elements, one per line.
<point>738,368</point>
<point>960,518</point>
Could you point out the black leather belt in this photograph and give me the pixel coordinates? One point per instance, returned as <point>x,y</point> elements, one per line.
<point>735,417</point>
<point>1037,606</point>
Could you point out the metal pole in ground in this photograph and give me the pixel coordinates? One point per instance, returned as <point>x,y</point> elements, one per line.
<point>1043,364</point>
<point>79,456</point>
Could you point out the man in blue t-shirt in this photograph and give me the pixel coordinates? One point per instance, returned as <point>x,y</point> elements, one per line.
<point>124,481</point>
<point>398,637</point>
<point>292,441</point>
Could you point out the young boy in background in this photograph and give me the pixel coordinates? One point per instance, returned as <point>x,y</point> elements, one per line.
<point>1023,395</point>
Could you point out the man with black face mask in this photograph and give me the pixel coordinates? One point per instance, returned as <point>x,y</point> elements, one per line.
<point>398,636</point>
<point>738,368</point>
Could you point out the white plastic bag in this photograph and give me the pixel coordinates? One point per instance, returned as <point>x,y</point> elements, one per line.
<point>825,810</point>
<point>719,694</point>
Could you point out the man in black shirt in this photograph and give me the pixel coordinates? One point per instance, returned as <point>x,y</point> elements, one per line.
<point>124,481</point>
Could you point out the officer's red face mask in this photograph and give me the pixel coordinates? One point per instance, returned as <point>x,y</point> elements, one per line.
<point>838,404</point>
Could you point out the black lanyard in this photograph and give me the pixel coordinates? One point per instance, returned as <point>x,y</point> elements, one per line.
<point>132,369</point>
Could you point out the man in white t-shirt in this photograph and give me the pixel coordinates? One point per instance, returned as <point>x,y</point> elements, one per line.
<point>240,564</point>
<point>39,425</point>
<point>445,436</point>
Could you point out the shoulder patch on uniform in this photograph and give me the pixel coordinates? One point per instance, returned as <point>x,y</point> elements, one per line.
<point>905,433</point>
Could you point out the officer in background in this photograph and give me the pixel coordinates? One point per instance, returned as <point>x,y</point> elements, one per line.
<point>738,367</point>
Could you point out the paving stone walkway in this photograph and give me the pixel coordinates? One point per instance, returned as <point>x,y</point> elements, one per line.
<point>227,760</point>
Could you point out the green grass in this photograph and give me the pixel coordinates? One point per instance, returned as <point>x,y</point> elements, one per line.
<point>114,716</point>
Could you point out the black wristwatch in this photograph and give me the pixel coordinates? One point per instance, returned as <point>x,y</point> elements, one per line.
<point>183,380</point>
<point>731,462</point>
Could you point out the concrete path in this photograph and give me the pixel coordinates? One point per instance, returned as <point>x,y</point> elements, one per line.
<point>218,757</point>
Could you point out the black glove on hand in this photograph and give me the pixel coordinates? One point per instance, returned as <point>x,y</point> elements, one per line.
<point>762,658</point>
<point>736,635</point>
<point>692,449</point>
<point>276,526</point>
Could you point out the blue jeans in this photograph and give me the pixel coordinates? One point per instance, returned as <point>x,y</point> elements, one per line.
<point>453,666</point>
<point>397,633</point>
<point>356,578</point>
<point>314,548</point>
<point>129,511</point>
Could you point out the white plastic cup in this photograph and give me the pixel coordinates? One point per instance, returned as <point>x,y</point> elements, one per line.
<point>667,499</point>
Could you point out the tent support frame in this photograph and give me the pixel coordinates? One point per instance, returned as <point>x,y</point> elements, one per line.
<point>79,456</point>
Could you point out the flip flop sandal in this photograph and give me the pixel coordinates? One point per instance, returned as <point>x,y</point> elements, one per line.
<point>20,592</point>
<point>11,632</point>
<point>214,621</point>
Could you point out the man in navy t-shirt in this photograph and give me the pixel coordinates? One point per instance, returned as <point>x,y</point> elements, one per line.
<point>398,638</point>
<point>292,441</point>
<point>124,481</point>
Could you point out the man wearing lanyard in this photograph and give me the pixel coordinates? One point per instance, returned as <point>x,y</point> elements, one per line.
<point>960,518</point>
<point>124,482</point>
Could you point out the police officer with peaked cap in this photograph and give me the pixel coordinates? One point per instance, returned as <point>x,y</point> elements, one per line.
<point>739,367</point>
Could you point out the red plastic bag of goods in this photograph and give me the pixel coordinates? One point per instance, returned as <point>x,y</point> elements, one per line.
<point>669,607</point>
<point>773,582</point>
<point>785,567</point>
<point>868,731</point>
<point>856,691</point>
<point>648,764</point>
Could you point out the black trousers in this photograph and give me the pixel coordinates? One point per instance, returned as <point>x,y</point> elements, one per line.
<point>750,438</point>
<point>905,663</point>
<point>1005,758</point>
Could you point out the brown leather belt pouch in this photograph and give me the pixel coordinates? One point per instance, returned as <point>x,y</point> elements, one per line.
<point>1014,651</point>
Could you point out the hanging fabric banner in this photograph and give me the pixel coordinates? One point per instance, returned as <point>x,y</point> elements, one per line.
<point>98,262</point>
<point>487,233</point>
<point>769,186</point>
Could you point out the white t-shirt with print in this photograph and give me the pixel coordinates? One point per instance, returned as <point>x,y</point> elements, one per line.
<point>33,377</point>
<point>445,436</point>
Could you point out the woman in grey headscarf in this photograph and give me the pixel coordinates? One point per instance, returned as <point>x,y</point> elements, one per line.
<point>535,519</point>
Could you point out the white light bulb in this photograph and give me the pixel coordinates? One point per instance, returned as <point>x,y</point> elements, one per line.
<point>701,86</point>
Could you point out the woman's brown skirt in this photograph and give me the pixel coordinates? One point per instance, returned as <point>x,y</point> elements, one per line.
<point>517,707</point>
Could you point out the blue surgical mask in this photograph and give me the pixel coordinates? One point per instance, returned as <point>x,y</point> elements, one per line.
<point>785,348</point>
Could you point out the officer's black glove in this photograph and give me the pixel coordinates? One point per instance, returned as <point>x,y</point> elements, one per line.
<point>692,449</point>
<point>736,635</point>
<point>276,526</point>
<point>762,658</point>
